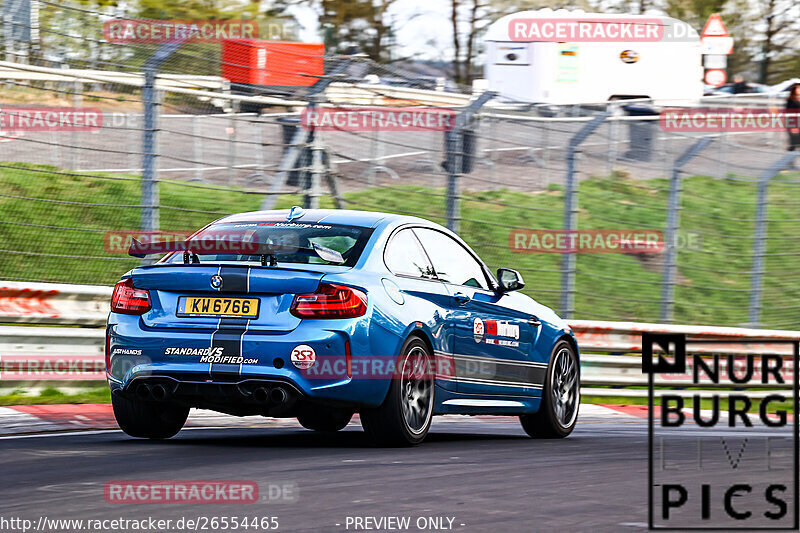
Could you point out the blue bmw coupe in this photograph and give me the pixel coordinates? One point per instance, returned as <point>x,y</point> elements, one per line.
<point>321,314</point>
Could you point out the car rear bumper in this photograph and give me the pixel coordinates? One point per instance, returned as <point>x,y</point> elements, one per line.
<point>177,360</point>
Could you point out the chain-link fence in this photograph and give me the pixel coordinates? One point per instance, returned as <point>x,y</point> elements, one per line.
<point>180,145</point>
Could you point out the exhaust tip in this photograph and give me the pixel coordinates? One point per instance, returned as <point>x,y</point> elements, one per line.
<point>143,391</point>
<point>278,395</point>
<point>159,392</point>
<point>261,395</point>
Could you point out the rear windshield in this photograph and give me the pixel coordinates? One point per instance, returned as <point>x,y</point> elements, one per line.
<point>283,242</point>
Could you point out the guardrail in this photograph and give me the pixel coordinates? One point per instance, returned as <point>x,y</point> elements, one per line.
<point>71,356</point>
<point>12,71</point>
<point>607,369</point>
<point>217,87</point>
<point>53,303</point>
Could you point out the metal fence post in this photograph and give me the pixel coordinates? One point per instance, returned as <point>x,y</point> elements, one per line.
<point>759,236</point>
<point>197,149</point>
<point>150,96</point>
<point>571,214</point>
<point>260,149</point>
<point>454,158</point>
<point>671,233</point>
<point>77,87</point>
<point>149,190</point>
<point>611,160</point>
<point>231,131</point>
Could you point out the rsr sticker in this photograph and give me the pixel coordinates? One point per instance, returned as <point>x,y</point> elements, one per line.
<point>478,330</point>
<point>303,357</point>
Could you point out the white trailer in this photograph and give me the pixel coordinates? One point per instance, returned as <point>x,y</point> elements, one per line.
<point>523,67</point>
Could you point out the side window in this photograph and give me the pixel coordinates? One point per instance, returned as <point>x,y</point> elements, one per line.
<point>405,256</point>
<point>451,261</point>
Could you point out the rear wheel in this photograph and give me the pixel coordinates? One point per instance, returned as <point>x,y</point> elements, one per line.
<point>558,411</point>
<point>149,420</point>
<point>317,418</point>
<point>404,417</point>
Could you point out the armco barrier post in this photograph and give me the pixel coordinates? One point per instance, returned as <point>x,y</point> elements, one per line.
<point>760,234</point>
<point>671,233</point>
<point>571,214</point>
<point>454,157</point>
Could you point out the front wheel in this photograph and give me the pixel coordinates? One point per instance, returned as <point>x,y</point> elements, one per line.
<point>149,420</point>
<point>404,417</point>
<point>558,411</point>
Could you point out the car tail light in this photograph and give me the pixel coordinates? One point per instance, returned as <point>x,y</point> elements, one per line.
<point>330,301</point>
<point>129,300</point>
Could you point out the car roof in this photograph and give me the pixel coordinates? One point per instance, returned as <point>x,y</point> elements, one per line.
<point>368,219</point>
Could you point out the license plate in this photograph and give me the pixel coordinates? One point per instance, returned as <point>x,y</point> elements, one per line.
<point>218,307</point>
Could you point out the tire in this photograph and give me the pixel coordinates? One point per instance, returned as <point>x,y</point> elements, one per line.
<point>148,420</point>
<point>404,417</point>
<point>558,411</point>
<point>326,420</point>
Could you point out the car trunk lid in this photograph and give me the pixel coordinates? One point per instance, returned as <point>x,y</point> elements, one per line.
<point>273,287</point>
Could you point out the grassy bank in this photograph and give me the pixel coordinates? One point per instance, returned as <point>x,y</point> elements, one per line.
<point>53,228</point>
<point>52,396</point>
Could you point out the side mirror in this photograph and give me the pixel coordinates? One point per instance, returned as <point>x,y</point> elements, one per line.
<point>510,280</point>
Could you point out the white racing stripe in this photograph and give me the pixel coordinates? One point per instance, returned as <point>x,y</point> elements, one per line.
<point>246,326</point>
<point>219,324</point>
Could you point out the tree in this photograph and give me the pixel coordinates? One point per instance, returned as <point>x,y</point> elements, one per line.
<point>470,18</point>
<point>694,12</point>
<point>349,25</point>
<point>779,24</point>
<point>201,58</point>
<point>73,32</point>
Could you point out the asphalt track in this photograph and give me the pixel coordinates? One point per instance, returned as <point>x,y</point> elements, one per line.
<point>486,475</point>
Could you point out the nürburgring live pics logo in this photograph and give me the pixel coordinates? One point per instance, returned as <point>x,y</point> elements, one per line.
<point>730,462</point>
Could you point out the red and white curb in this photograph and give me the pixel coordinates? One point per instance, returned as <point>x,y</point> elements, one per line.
<point>26,419</point>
